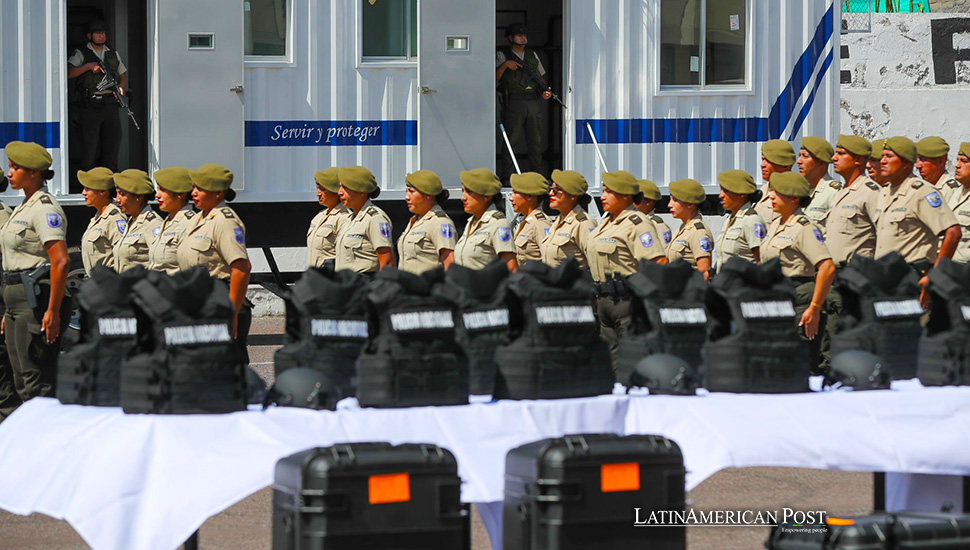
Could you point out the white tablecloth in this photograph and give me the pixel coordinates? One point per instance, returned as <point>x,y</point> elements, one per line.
<point>147,482</point>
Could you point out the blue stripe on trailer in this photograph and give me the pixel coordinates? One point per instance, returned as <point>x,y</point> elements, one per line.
<point>330,133</point>
<point>47,134</point>
<point>726,130</point>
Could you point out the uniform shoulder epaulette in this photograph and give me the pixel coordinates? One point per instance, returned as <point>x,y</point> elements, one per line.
<point>46,200</point>
<point>699,225</point>
<point>541,215</point>
<point>656,219</point>
<point>581,217</point>
<point>498,215</point>
<point>953,184</point>
<point>750,212</point>
<point>873,185</point>
<point>440,214</point>
<point>151,215</point>
<point>227,212</point>
<point>635,219</point>
<point>917,184</point>
<point>190,213</point>
<point>803,220</point>
<point>835,185</point>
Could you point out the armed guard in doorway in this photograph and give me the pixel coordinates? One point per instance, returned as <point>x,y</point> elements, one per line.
<point>755,346</point>
<point>554,350</point>
<point>485,319</point>
<point>90,372</point>
<point>880,311</point>
<point>666,315</point>
<point>185,361</point>
<point>411,357</point>
<point>326,326</point>
<point>944,349</point>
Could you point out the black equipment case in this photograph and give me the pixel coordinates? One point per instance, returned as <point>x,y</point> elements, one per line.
<point>881,531</point>
<point>582,492</point>
<point>369,496</point>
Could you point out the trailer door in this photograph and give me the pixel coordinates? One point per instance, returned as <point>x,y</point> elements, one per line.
<point>198,75</point>
<point>456,86</point>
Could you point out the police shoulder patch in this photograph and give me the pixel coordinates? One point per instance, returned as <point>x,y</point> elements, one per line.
<point>760,231</point>
<point>46,199</point>
<point>706,244</point>
<point>447,230</point>
<point>504,234</point>
<point>646,239</point>
<point>122,225</point>
<point>917,184</point>
<point>803,220</point>
<point>156,231</point>
<point>873,185</point>
<point>385,229</point>
<point>818,235</point>
<point>667,236</point>
<point>54,220</point>
<point>238,233</point>
<point>227,212</point>
<point>635,219</point>
<point>934,199</point>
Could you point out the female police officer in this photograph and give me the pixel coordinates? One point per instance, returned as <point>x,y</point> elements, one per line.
<point>107,226</point>
<point>647,203</point>
<point>32,238</point>
<point>570,232</point>
<point>429,239</point>
<point>174,188</point>
<point>744,230</point>
<point>487,233</point>
<point>134,187</point>
<point>529,191</point>
<point>693,241</point>
<point>365,245</point>
<point>321,238</point>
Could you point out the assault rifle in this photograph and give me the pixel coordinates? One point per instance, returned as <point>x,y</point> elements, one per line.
<point>538,80</point>
<point>110,84</point>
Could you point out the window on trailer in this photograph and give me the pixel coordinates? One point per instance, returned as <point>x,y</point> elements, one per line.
<point>703,43</point>
<point>265,23</point>
<point>390,30</point>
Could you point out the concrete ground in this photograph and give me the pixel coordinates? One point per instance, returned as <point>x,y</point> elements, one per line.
<point>247,525</point>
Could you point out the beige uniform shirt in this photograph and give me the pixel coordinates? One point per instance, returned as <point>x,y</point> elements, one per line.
<point>420,246</point>
<point>132,248</point>
<point>691,242</point>
<point>358,242</point>
<point>321,238</point>
<point>5,212</point>
<point>484,239</point>
<point>103,232</point>
<point>763,206</point>
<point>163,251</point>
<point>666,235</point>
<point>950,189</point>
<point>742,233</point>
<point>214,242</point>
<point>37,220</point>
<point>911,218</point>
<point>618,244</point>
<point>852,221</point>
<point>822,197</point>
<point>798,242</point>
<point>529,236</point>
<point>961,209</point>
<point>567,237</point>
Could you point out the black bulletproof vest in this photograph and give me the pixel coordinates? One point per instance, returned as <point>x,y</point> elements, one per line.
<point>86,85</point>
<point>555,349</point>
<point>755,345</point>
<point>519,81</point>
<point>90,372</point>
<point>185,361</point>
<point>411,357</point>
<point>326,326</point>
<point>484,319</point>
<point>944,349</point>
<point>880,312</point>
<point>667,315</point>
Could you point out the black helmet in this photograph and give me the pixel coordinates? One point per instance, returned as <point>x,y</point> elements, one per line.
<point>97,25</point>
<point>664,374</point>
<point>303,387</point>
<point>514,29</point>
<point>859,370</point>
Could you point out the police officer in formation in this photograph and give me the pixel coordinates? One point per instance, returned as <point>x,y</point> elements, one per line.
<point>646,203</point>
<point>745,230</point>
<point>851,221</point>
<point>321,238</point>
<point>31,238</point>
<point>813,162</point>
<point>173,195</point>
<point>874,166</point>
<point>777,156</point>
<point>365,244</point>
<point>693,242</point>
<point>931,156</point>
<point>569,233</point>
<point>428,240</point>
<point>9,400</point>
<point>529,192</point>
<point>961,204</point>
<point>108,226</point>
<point>134,189</point>
<point>487,233</point>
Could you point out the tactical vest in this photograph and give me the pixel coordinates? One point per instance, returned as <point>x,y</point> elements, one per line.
<point>86,85</point>
<point>90,372</point>
<point>755,346</point>
<point>554,349</point>
<point>880,312</point>
<point>484,319</point>
<point>185,361</point>
<point>411,357</point>
<point>326,326</point>
<point>667,315</point>
<point>518,81</point>
<point>944,349</point>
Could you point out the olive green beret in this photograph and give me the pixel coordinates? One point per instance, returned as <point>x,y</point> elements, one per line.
<point>211,177</point>
<point>571,182</point>
<point>425,181</point>
<point>328,179</point>
<point>778,151</point>
<point>134,181</point>
<point>855,145</point>
<point>687,190</point>
<point>790,184</point>
<point>818,148</point>
<point>932,147</point>
<point>529,183</point>
<point>357,178</point>
<point>877,147</point>
<point>965,149</point>
<point>480,180</point>
<point>903,147</point>
<point>737,181</point>
<point>99,179</point>
<point>175,179</point>
<point>29,155</point>
<point>649,190</point>
<point>621,182</point>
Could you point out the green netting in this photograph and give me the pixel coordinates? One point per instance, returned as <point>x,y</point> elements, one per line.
<point>886,6</point>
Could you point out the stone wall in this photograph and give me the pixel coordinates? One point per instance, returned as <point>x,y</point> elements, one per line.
<point>950,6</point>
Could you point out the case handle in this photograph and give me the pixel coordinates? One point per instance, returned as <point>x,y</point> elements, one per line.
<point>569,491</point>
<point>571,440</point>
<point>337,450</point>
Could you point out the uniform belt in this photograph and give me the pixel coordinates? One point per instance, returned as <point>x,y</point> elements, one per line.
<point>616,290</point>
<point>802,280</point>
<point>13,277</point>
